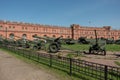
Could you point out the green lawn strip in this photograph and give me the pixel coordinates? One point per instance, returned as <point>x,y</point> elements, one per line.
<point>112,47</point>
<point>114,73</point>
<point>82,47</point>
<point>76,47</point>
<point>116,62</point>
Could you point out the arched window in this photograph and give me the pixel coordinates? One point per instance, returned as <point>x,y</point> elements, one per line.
<point>0,36</point>
<point>54,36</point>
<point>24,36</point>
<point>45,36</point>
<point>112,38</point>
<point>68,36</point>
<point>11,36</point>
<point>61,35</point>
<point>34,35</point>
<point>91,37</point>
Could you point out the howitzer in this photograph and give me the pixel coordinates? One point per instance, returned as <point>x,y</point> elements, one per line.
<point>22,42</point>
<point>55,45</point>
<point>40,42</point>
<point>97,47</point>
<point>7,41</point>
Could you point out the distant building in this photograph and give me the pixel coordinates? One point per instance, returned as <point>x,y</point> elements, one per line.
<point>19,30</point>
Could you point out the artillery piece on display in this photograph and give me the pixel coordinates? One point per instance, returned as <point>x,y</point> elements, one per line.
<point>54,44</point>
<point>7,41</point>
<point>39,42</point>
<point>69,41</point>
<point>22,42</point>
<point>97,48</point>
<point>82,40</point>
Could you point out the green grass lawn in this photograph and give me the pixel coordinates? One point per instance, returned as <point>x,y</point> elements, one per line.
<point>113,47</point>
<point>80,47</point>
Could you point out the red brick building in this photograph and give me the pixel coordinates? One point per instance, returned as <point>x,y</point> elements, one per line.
<point>26,30</point>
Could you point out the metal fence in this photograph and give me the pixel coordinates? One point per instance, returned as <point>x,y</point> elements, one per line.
<point>74,67</point>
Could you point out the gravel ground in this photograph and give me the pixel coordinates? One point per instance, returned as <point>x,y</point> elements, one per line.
<point>109,59</point>
<point>12,68</point>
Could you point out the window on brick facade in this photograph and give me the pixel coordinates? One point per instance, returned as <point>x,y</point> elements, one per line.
<point>33,28</point>
<point>9,26</point>
<point>68,36</point>
<point>37,28</point>
<point>54,36</point>
<point>62,36</point>
<point>0,36</point>
<point>24,36</point>
<point>26,28</point>
<point>45,35</point>
<point>11,36</point>
<point>53,31</point>
<point>61,31</point>
<point>91,37</point>
<point>0,27</point>
<point>22,28</point>
<point>35,35</point>
<point>112,38</point>
<point>13,27</point>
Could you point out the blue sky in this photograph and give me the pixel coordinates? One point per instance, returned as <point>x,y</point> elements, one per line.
<point>96,13</point>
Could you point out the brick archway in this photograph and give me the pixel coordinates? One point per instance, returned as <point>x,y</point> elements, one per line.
<point>24,36</point>
<point>53,36</point>
<point>11,36</point>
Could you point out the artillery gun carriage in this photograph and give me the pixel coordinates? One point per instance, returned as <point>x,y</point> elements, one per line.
<point>54,44</point>
<point>98,47</point>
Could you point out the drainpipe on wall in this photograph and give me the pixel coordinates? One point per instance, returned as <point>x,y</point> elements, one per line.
<point>6,32</point>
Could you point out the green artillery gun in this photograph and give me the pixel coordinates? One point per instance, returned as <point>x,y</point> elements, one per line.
<point>82,40</point>
<point>7,41</point>
<point>22,43</point>
<point>69,41</point>
<point>97,48</point>
<point>39,42</point>
<point>54,44</point>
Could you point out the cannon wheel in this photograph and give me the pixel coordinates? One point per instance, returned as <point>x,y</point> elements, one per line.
<point>53,48</point>
<point>91,51</point>
<point>35,47</point>
<point>104,52</point>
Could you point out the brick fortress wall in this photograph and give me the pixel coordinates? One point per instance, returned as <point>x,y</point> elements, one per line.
<point>19,30</point>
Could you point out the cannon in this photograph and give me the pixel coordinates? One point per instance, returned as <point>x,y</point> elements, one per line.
<point>39,42</point>
<point>82,40</point>
<point>70,41</point>
<point>97,48</point>
<point>55,45</point>
<point>21,42</point>
<point>7,41</point>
